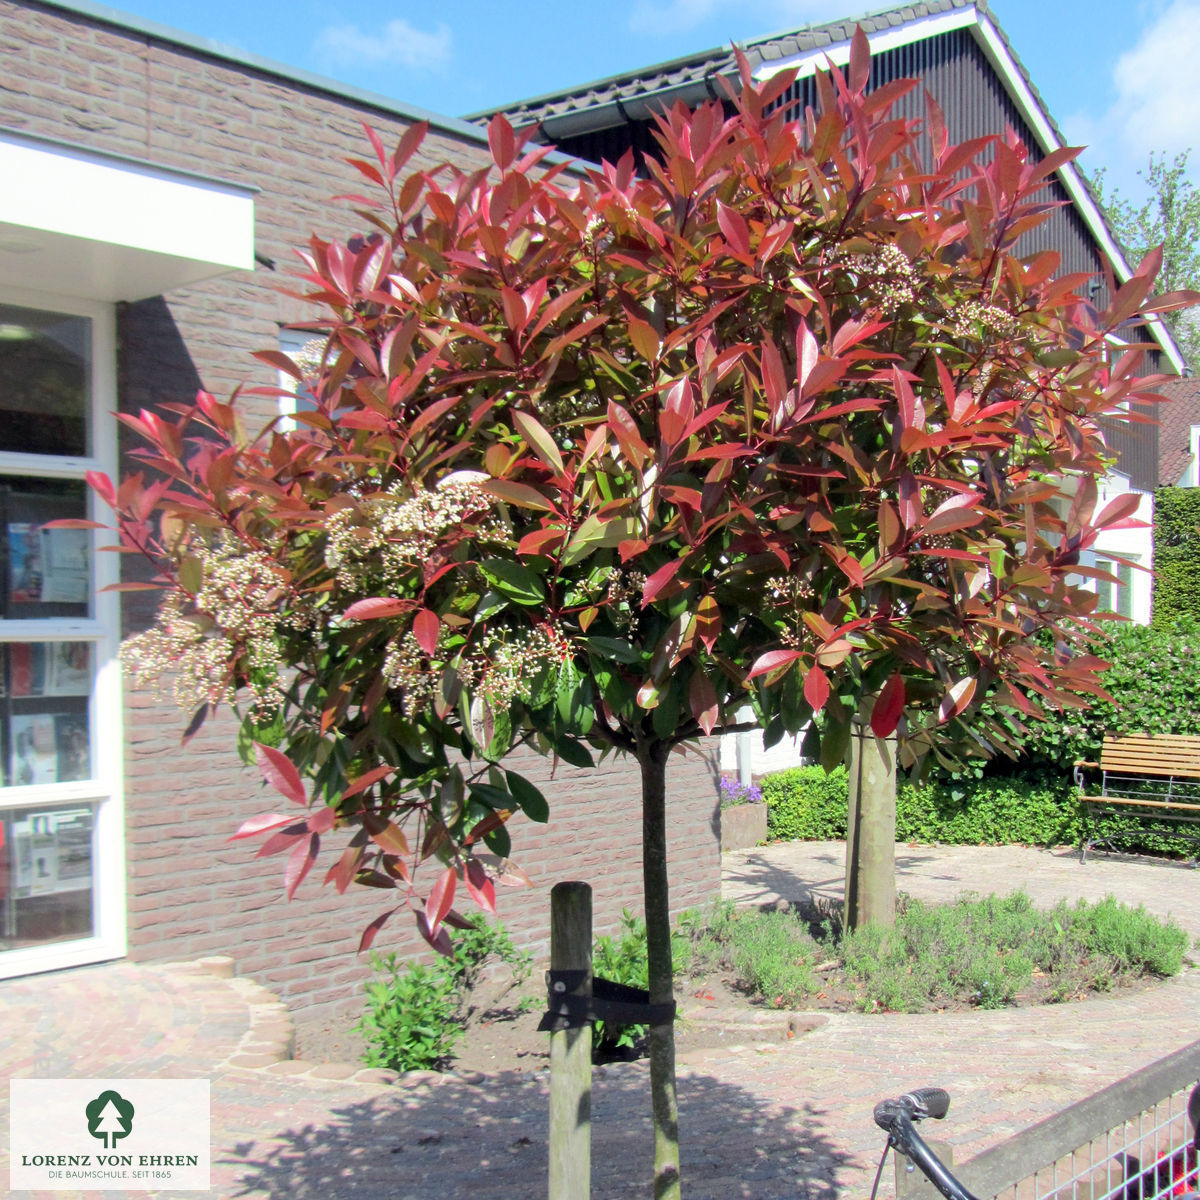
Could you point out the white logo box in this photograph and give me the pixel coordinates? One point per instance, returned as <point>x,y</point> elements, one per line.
<point>163,1143</point>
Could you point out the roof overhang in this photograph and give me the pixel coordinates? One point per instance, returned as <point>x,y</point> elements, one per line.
<point>106,228</point>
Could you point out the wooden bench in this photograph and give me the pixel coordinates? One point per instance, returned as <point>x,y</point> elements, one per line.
<point>1153,781</point>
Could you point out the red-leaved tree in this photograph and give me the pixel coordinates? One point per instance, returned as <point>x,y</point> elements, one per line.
<point>787,423</point>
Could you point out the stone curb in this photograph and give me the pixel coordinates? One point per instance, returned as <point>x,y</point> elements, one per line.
<point>269,1045</point>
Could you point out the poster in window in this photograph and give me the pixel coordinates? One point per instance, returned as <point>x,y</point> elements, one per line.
<point>34,750</point>
<point>47,566</point>
<point>49,748</point>
<point>64,565</point>
<point>25,563</point>
<point>69,669</point>
<point>27,668</point>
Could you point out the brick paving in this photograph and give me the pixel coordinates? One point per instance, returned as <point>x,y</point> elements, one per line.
<point>763,1117</point>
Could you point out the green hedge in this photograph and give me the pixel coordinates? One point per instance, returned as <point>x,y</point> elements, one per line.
<point>1176,555</point>
<point>804,802</point>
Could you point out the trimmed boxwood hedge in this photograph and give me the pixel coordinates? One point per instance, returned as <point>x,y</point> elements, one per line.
<point>804,802</point>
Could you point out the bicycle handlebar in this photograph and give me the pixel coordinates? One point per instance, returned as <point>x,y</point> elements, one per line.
<point>896,1118</point>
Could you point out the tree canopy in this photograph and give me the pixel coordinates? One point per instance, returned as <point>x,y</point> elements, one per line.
<point>788,422</point>
<point>1170,218</point>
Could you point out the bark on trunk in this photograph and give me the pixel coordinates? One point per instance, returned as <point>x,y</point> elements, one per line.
<point>871,830</point>
<point>652,758</point>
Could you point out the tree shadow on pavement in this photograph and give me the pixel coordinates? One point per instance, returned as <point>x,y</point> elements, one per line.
<point>456,1141</point>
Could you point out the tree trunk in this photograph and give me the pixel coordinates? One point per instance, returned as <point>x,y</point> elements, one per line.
<point>871,830</point>
<point>652,758</point>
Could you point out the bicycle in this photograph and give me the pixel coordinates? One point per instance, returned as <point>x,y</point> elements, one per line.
<point>1174,1175</point>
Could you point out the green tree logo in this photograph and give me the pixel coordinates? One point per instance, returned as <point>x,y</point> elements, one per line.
<point>109,1117</point>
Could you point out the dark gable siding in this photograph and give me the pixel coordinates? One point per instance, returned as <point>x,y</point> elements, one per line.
<point>954,69</point>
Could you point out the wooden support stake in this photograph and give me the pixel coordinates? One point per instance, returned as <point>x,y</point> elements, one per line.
<point>571,1050</point>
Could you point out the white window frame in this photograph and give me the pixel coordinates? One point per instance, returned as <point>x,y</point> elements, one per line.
<point>290,341</point>
<point>105,789</point>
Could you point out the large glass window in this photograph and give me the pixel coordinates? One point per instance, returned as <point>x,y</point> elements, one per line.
<point>45,382</point>
<point>60,885</point>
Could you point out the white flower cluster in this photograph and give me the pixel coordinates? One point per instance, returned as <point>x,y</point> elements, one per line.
<point>199,664</point>
<point>308,357</point>
<point>236,612</point>
<point>498,670</point>
<point>889,274</point>
<point>971,315</point>
<point>378,542</point>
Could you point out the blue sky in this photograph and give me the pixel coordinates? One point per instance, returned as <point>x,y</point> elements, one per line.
<point>1120,77</point>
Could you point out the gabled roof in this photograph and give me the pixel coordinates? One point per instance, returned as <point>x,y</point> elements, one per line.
<point>1175,428</point>
<point>697,74</point>
<point>636,95</point>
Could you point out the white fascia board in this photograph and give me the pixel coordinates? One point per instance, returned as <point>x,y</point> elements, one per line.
<point>115,229</point>
<point>812,61</point>
<point>1001,58</point>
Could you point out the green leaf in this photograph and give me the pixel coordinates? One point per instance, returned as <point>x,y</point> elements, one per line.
<point>533,803</point>
<point>498,841</point>
<point>513,579</point>
<point>573,754</point>
<point>612,649</point>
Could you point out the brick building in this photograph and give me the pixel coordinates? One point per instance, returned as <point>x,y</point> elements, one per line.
<point>155,187</point>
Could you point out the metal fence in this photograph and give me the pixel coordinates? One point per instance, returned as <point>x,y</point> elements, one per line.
<point>1132,1141</point>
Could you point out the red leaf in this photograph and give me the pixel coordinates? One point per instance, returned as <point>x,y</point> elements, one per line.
<point>702,701</point>
<point>439,939</point>
<point>365,781</point>
<point>957,698</point>
<point>501,141</point>
<point>103,487</point>
<point>889,706</point>
<point>1118,509</point>
<point>323,820</point>
<point>283,840</point>
<point>816,689</point>
<point>733,226</point>
<point>278,771</point>
<point>300,863</point>
<point>772,661</point>
<point>425,629</point>
<point>258,825</point>
<point>342,873</point>
<point>441,899</point>
<point>376,608</point>
<point>660,579</point>
<point>860,61</point>
<point>368,936</point>
<point>481,888</point>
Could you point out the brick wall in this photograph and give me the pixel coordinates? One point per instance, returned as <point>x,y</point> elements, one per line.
<point>191,893</point>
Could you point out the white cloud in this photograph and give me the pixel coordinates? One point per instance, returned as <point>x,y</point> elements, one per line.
<point>671,16</point>
<point>396,43</point>
<point>1157,99</point>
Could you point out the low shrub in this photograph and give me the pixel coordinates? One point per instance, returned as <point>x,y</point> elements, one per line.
<point>980,952</point>
<point>416,1012</point>
<point>623,959</point>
